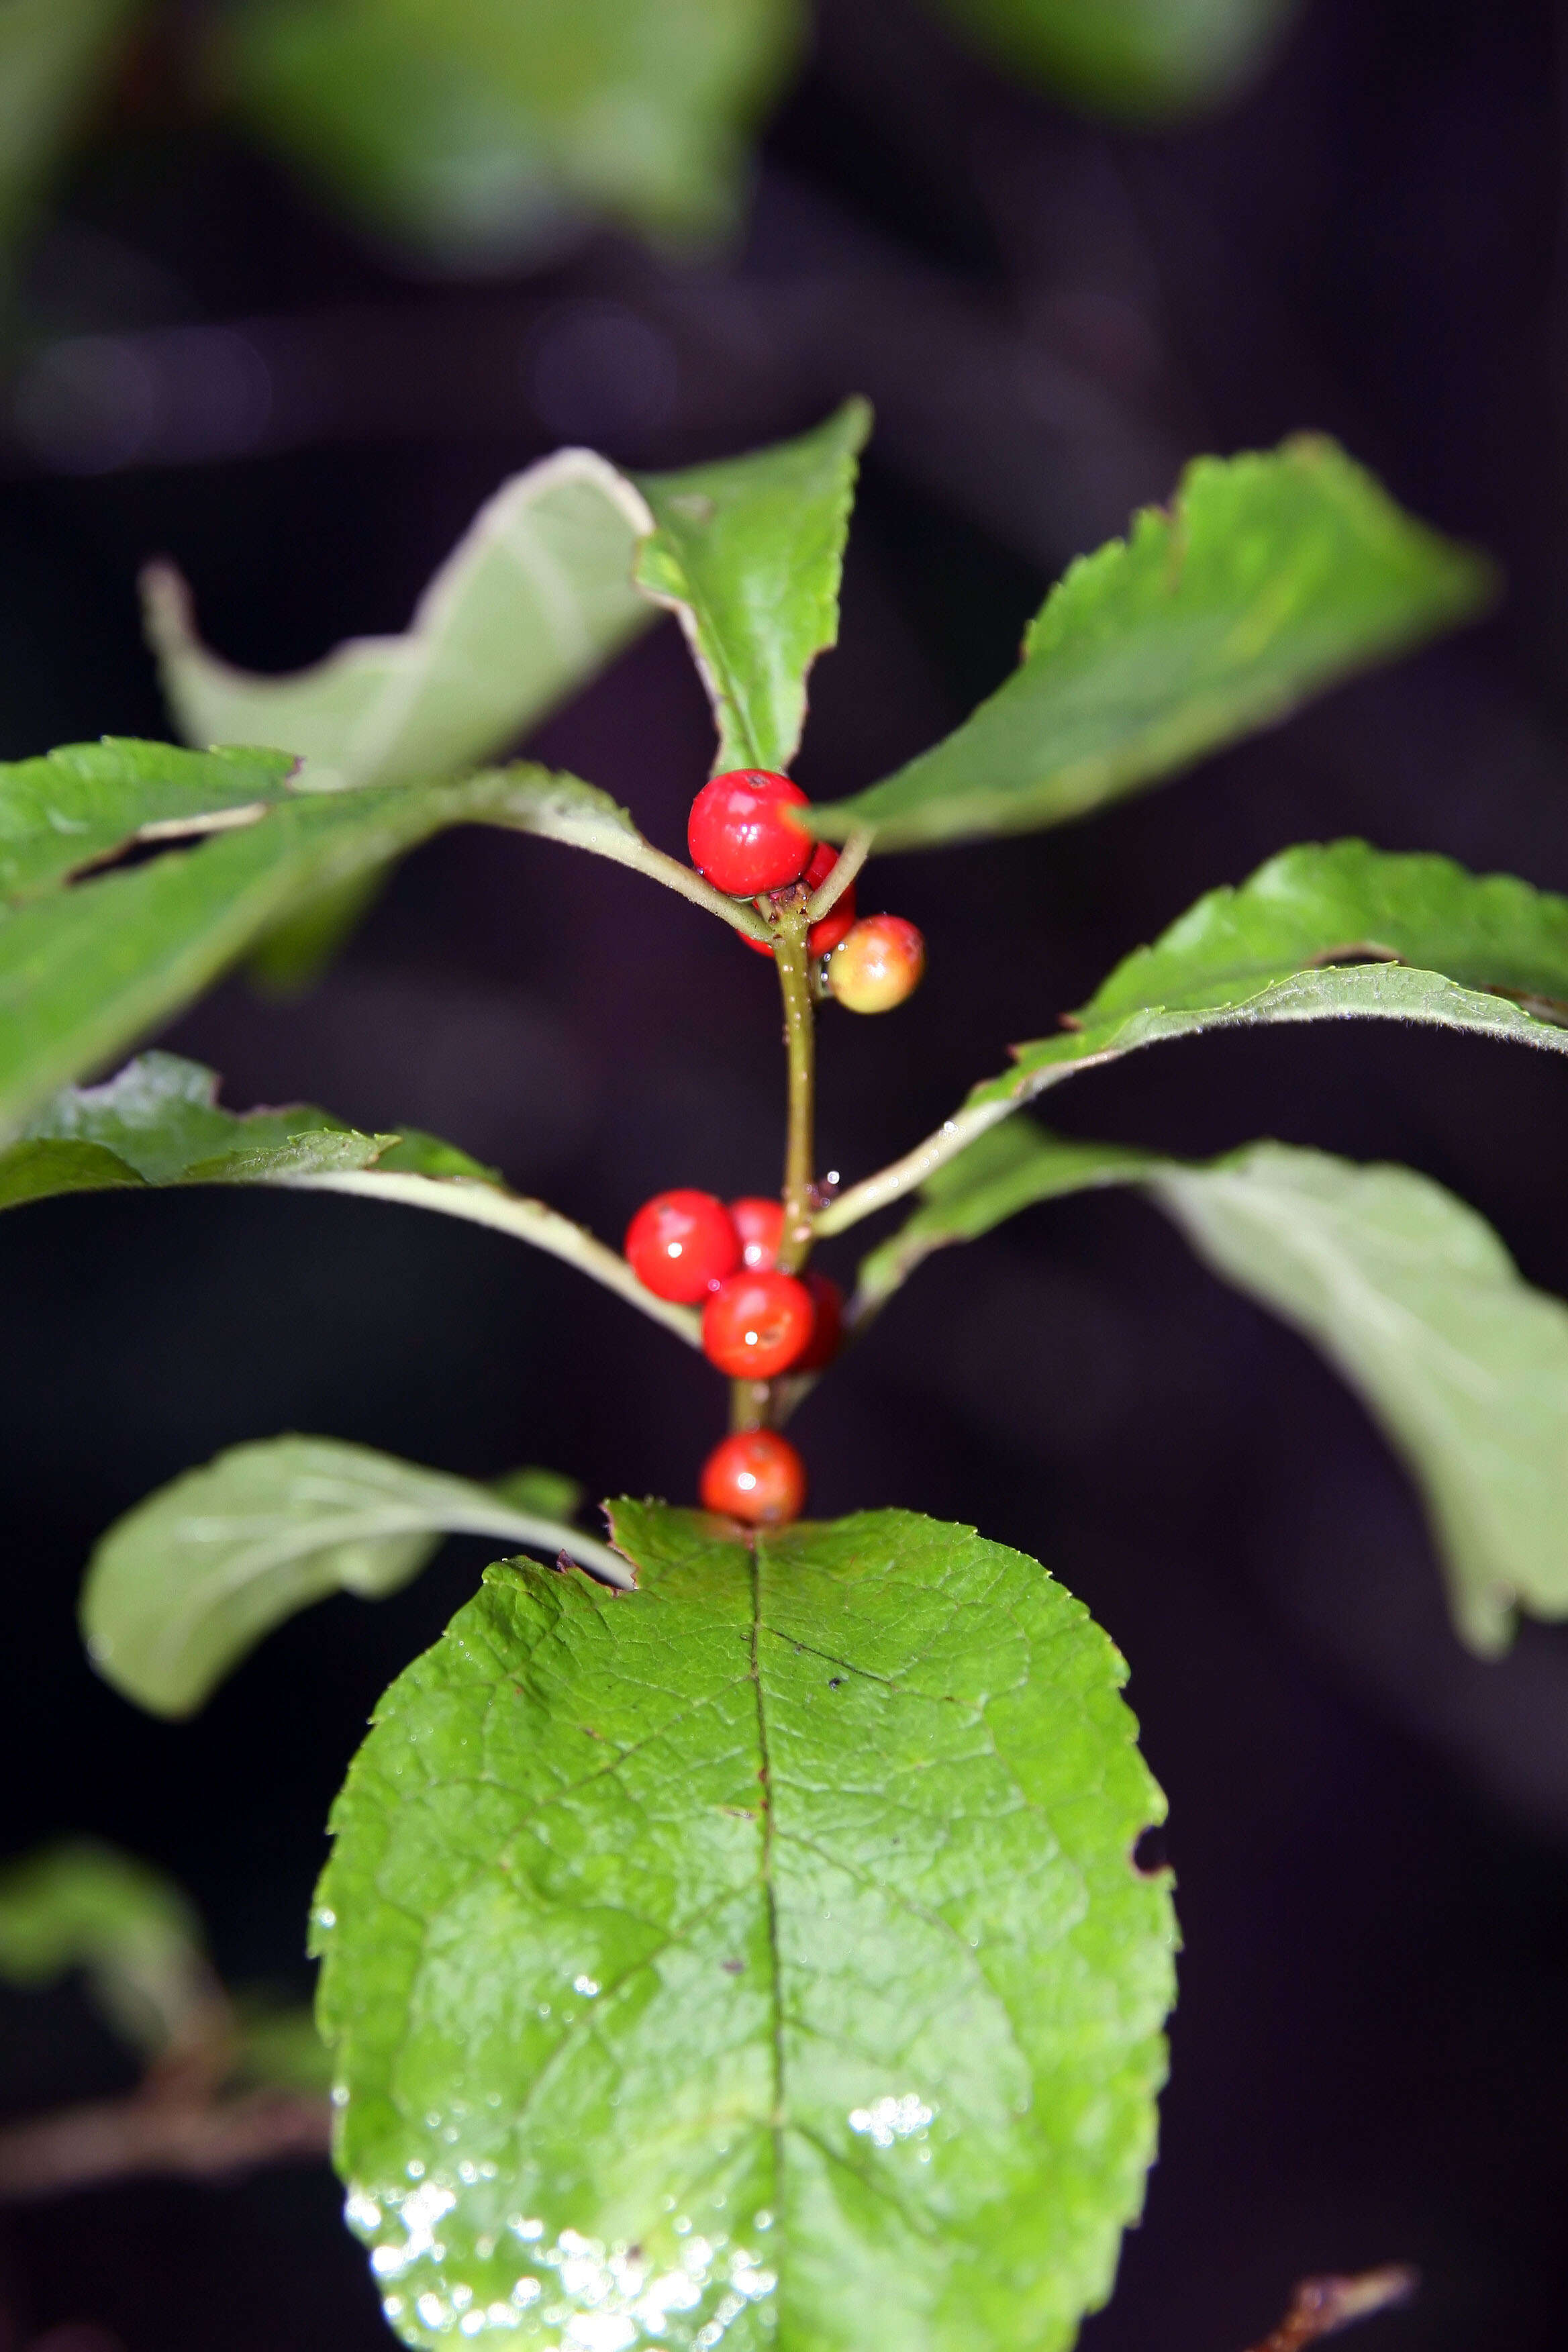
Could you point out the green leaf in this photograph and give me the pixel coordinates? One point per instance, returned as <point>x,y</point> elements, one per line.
<point>187,1584</point>
<point>749,553</point>
<point>759,1954</point>
<point>86,970</point>
<point>55,54</point>
<point>535,597</point>
<point>1406,1289</point>
<point>1275,576</point>
<point>63,813</point>
<point>83,1905</point>
<point>1005,1171</point>
<point>1136,60</point>
<point>1484,954</point>
<point>159,1122</point>
<point>469,130</point>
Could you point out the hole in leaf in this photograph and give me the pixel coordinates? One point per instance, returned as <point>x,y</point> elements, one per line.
<point>1150,1851</point>
<point>171,836</point>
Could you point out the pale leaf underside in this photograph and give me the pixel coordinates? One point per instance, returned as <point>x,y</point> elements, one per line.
<point>1405,1288</point>
<point>183,1587</point>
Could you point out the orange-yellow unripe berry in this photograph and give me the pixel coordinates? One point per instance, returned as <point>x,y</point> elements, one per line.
<point>877,965</point>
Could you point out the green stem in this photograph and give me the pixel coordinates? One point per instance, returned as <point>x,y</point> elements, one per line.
<point>752,1402</point>
<point>793,958</point>
<point>851,858</point>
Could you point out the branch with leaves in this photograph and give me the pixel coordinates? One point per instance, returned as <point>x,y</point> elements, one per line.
<point>746,1925</point>
<point>229,2084</point>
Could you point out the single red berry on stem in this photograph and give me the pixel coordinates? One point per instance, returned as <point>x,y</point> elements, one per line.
<point>879,964</point>
<point>755,1324</point>
<point>740,836</point>
<point>824,936</point>
<point>680,1244</point>
<point>827,1329</point>
<point>756,1476</point>
<point>760,1225</point>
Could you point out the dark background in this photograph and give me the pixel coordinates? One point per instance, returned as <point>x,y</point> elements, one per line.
<point>1370,1828</point>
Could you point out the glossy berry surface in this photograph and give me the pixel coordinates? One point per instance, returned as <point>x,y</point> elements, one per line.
<point>879,964</point>
<point>760,1225</point>
<point>827,1326</point>
<point>756,1476</point>
<point>755,1324</point>
<point>740,836</point>
<point>680,1244</point>
<point>824,936</point>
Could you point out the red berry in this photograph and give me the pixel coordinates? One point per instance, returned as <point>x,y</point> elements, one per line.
<point>755,1324</point>
<point>826,1331</point>
<point>740,836</point>
<point>824,936</point>
<point>760,1225</point>
<point>680,1244</point>
<point>879,963</point>
<point>835,926</point>
<point>756,1476</point>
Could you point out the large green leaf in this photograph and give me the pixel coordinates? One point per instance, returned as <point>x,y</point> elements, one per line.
<point>535,597</point>
<point>53,54</point>
<point>87,968</point>
<point>1274,576</point>
<point>84,1906</point>
<point>187,1584</point>
<point>748,553</point>
<point>756,1956</point>
<point>159,1121</point>
<point>468,129</point>
<point>1437,945</point>
<point>1405,1288</point>
<point>1139,61</point>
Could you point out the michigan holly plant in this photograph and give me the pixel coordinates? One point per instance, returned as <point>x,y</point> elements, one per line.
<point>732,1933</point>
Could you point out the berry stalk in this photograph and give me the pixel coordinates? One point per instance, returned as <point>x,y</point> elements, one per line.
<point>792,955</point>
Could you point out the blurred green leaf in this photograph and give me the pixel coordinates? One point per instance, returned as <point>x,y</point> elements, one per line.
<point>54,56</point>
<point>468,130</point>
<point>1406,1289</point>
<point>1136,60</point>
<point>187,1584</point>
<point>1274,576</point>
<point>83,1905</point>
<point>535,597</point>
<point>278,2046</point>
<point>776,1922</point>
<point>748,553</point>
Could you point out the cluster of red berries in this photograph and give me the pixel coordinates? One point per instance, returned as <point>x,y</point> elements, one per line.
<point>757,1322</point>
<point>744,841</point>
